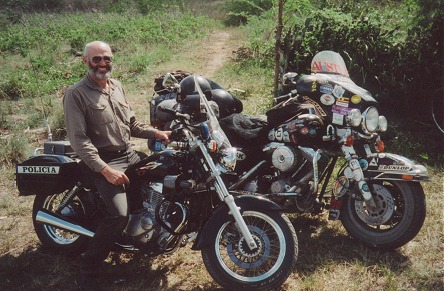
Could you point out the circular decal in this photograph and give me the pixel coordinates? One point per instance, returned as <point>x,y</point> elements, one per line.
<point>338,91</point>
<point>327,99</point>
<point>304,130</point>
<point>286,136</point>
<point>363,163</point>
<point>271,134</point>
<point>356,99</point>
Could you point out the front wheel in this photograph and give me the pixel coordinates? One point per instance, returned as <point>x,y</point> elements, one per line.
<point>397,218</point>
<point>235,266</point>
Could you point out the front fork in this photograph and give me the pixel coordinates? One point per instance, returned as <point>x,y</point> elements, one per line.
<point>225,196</point>
<point>355,172</point>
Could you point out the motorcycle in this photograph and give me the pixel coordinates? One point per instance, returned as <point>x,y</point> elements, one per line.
<point>176,196</point>
<point>326,126</point>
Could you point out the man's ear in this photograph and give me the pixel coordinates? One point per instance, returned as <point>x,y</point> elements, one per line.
<point>85,60</point>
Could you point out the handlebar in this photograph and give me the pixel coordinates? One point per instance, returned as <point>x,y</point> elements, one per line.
<point>174,112</point>
<point>285,97</point>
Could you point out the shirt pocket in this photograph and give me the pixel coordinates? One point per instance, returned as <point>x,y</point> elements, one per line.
<point>100,113</point>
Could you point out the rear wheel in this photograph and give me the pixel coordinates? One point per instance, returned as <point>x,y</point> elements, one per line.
<point>55,238</point>
<point>397,218</point>
<point>235,266</point>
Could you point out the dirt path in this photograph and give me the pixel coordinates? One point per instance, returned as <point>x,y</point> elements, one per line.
<point>218,51</point>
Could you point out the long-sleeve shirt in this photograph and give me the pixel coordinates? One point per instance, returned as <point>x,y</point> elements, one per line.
<point>100,121</point>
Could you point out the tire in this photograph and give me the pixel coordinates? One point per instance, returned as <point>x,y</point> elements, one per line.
<point>399,216</point>
<point>231,263</point>
<point>57,239</point>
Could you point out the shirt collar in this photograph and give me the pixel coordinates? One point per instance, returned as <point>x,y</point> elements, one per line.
<point>93,85</point>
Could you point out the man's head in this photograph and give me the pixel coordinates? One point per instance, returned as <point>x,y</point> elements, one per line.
<point>98,58</point>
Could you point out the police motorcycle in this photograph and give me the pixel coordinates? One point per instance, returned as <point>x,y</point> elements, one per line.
<point>176,196</point>
<point>319,149</point>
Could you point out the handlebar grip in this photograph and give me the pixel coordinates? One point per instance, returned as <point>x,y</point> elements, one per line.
<point>285,97</point>
<point>167,110</point>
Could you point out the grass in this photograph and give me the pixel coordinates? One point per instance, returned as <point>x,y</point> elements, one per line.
<point>328,258</point>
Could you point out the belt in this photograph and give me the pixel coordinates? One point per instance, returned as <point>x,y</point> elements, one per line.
<point>107,155</point>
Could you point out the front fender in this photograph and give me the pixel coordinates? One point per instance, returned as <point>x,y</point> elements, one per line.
<point>386,166</point>
<point>221,215</point>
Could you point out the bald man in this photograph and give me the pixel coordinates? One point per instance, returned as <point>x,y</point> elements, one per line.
<point>99,124</point>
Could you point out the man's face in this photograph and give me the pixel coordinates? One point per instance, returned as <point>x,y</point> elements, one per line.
<point>99,62</point>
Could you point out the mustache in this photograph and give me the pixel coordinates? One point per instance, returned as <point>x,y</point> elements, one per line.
<point>94,69</point>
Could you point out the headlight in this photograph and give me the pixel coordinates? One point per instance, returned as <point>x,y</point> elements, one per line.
<point>228,160</point>
<point>383,124</point>
<point>353,117</point>
<point>370,120</point>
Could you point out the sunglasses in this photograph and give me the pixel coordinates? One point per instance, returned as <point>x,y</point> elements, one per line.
<point>98,59</point>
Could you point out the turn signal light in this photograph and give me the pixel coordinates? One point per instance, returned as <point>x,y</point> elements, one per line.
<point>212,146</point>
<point>380,146</point>
<point>407,177</point>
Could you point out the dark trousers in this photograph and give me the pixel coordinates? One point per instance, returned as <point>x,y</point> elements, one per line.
<point>116,202</point>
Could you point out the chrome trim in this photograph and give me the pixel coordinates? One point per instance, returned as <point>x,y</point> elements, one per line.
<point>48,219</point>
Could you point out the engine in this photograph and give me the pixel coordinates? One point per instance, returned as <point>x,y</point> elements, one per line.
<point>142,225</point>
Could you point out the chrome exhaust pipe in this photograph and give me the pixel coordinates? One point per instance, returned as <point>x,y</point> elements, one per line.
<point>50,219</point>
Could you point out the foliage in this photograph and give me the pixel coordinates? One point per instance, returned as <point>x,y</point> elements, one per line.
<point>14,149</point>
<point>239,11</point>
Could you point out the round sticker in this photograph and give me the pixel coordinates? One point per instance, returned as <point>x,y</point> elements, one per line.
<point>304,130</point>
<point>356,99</point>
<point>327,99</point>
<point>364,164</point>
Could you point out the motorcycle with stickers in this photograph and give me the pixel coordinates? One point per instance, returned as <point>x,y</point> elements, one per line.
<point>176,196</point>
<point>323,120</point>
<point>326,124</point>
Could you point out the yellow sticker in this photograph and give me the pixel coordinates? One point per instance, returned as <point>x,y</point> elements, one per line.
<point>356,99</point>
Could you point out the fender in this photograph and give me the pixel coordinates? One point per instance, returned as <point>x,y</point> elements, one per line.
<point>387,166</point>
<point>220,215</point>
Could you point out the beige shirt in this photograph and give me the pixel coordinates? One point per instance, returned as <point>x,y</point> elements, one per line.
<point>98,120</point>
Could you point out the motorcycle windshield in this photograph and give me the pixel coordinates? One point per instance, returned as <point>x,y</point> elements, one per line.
<point>329,62</point>
<point>214,127</point>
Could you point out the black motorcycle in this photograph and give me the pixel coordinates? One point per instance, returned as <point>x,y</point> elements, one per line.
<point>326,125</point>
<point>177,196</point>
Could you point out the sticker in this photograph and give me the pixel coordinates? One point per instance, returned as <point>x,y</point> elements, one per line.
<point>381,156</point>
<point>315,104</point>
<point>340,186</point>
<point>354,164</point>
<point>338,91</point>
<point>364,164</point>
<point>304,131</point>
<point>356,99</point>
<point>327,99</point>
<point>278,133</point>
<point>394,168</point>
<point>271,134</point>
<point>312,132</point>
<point>342,102</point>
<point>325,89</point>
<point>348,173</point>
<point>240,156</point>
<point>338,119</point>
<point>373,162</point>
<point>286,136</point>
<point>313,86</point>
<point>358,175</point>
<point>43,170</point>
<point>340,110</point>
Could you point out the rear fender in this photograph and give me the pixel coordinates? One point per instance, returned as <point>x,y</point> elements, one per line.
<point>221,215</point>
<point>386,166</point>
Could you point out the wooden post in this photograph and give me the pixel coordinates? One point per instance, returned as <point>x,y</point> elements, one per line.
<point>277,51</point>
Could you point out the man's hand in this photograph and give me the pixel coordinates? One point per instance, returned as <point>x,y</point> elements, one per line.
<point>113,176</point>
<point>163,136</point>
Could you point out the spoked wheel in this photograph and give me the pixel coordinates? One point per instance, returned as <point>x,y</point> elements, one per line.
<point>395,220</point>
<point>55,238</point>
<point>437,109</point>
<point>235,266</point>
